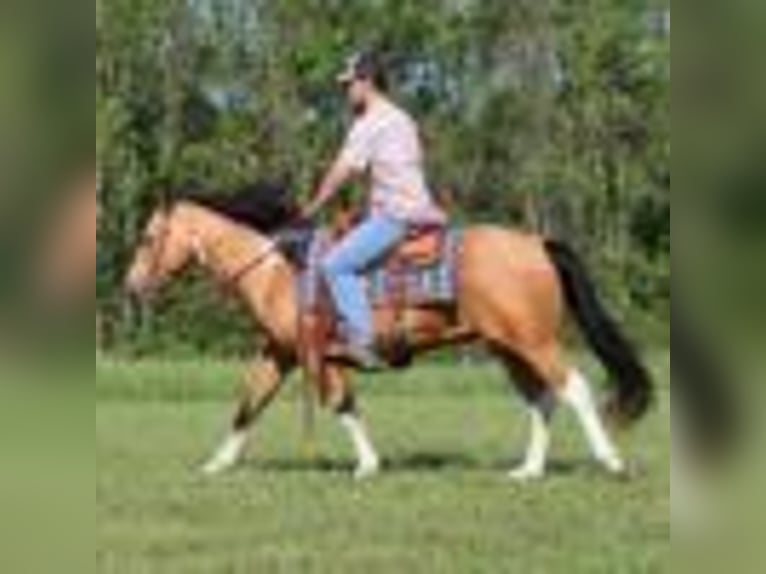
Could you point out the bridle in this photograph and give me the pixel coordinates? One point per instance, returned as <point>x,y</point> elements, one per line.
<point>158,245</point>
<point>228,283</point>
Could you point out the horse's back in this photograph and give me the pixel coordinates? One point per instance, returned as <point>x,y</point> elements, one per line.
<point>505,247</point>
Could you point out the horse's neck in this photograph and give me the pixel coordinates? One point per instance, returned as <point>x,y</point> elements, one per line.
<point>225,247</point>
<point>248,263</point>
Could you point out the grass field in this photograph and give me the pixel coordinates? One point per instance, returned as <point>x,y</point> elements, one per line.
<point>443,505</point>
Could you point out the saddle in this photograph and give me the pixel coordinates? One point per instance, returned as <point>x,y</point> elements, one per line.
<point>423,247</point>
<point>418,273</point>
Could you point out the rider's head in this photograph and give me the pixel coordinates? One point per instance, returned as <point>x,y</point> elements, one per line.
<point>363,78</point>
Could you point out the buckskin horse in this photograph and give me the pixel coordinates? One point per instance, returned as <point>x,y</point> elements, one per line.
<point>512,289</point>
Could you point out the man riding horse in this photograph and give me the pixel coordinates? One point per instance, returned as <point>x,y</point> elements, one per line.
<point>384,145</point>
<point>510,291</point>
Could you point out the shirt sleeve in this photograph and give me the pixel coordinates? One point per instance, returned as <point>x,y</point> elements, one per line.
<point>357,149</point>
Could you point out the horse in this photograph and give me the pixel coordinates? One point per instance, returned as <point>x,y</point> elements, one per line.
<point>513,289</point>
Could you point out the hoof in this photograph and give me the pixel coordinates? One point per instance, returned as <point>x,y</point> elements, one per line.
<point>522,475</point>
<point>621,471</point>
<point>210,470</point>
<point>616,468</point>
<point>367,471</point>
<point>216,468</point>
<point>226,457</point>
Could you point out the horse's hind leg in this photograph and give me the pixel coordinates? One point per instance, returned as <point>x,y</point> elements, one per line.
<point>559,382</point>
<point>542,402</point>
<point>578,395</point>
<point>341,398</point>
<point>263,382</point>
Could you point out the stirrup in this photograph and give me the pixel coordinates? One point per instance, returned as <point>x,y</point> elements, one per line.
<point>362,358</point>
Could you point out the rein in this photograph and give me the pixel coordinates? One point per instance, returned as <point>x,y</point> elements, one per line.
<point>231,282</point>
<point>275,244</point>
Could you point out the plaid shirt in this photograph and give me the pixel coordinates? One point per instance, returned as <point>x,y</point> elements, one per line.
<point>385,144</point>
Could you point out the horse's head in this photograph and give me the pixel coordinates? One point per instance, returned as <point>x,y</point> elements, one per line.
<point>175,232</point>
<point>165,248</point>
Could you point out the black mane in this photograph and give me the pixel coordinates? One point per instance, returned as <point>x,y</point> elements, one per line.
<point>265,206</point>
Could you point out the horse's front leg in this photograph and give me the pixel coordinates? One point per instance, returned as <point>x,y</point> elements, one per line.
<point>340,397</point>
<point>263,381</point>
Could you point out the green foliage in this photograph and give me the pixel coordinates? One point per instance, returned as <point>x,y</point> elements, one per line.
<point>550,114</point>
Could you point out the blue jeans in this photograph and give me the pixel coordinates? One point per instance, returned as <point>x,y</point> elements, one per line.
<point>343,266</point>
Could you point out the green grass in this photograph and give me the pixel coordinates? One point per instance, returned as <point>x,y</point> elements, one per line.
<point>442,506</point>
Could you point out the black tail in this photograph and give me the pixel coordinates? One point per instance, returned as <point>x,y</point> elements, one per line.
<point>634,393</point>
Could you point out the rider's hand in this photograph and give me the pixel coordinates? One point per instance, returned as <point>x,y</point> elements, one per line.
<point>308,213</point>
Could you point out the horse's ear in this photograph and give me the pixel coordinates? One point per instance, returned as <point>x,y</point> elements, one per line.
<point>165,200</point>
<point>166,195</point>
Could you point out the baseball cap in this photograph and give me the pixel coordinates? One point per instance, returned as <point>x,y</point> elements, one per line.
<point>363,64</point>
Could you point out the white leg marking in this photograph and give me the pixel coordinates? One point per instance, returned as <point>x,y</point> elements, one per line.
<point>227,455</point>
<point>533,466</point>
<point>368,462</point>
<point>578,395</point>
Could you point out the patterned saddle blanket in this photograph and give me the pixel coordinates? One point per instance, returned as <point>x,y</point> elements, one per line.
<point>422,271</point>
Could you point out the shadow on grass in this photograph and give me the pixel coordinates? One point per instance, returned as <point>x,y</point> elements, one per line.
<point>418,462</point>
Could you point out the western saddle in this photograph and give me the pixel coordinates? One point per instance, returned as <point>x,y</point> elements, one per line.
<point>422,249</point>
